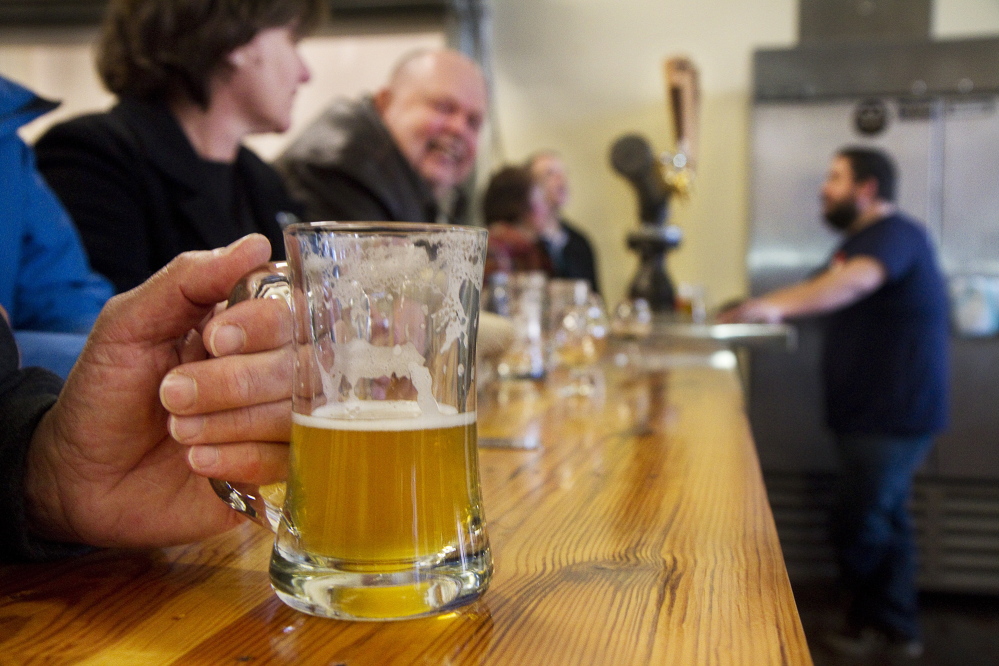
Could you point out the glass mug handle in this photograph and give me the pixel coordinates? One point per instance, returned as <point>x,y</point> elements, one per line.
<point>271,280</point>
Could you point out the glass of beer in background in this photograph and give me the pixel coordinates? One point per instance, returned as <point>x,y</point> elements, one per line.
<point>382,518</point>
<point>577,337</point>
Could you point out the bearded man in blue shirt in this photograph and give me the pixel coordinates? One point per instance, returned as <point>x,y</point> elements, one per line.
<point>885,368</point>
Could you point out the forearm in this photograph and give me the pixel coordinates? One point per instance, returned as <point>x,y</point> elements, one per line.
<point>816,296</point>
<point>833,289</point>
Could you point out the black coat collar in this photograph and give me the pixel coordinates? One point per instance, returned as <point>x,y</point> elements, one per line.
<point>165,146</point>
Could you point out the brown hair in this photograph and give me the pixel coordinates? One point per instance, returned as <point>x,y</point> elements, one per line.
<point>508,195</point>
<point>867,163</point>
<point>151,49</point>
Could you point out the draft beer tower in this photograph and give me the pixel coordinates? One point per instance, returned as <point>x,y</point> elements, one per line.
<point>656,180</point>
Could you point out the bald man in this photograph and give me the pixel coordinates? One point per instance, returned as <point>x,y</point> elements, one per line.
<point>398,155</point>
<point>568,248</point>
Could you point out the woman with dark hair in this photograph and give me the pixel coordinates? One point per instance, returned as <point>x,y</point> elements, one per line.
<point>510,205</point>
<point>164,171</point>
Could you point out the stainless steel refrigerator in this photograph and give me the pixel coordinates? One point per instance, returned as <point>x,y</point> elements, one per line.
<point>933,106</point>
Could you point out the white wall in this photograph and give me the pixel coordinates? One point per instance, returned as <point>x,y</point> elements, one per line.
<point>964,18</point>
<point>55,63</point>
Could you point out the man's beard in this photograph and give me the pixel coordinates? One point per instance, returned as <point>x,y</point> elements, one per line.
<point>842,215</point>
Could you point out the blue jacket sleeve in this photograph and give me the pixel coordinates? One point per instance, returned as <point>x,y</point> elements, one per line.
<point>55,289</point>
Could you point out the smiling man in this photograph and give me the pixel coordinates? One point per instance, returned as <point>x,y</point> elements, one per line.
<point>398,155</point>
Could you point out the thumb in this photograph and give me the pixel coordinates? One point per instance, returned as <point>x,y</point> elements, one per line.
<point>178,296</point>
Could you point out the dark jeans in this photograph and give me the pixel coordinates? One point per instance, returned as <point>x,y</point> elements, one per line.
<point>872,531</point>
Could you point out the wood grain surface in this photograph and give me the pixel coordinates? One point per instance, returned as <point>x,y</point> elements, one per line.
<point>638,532</point>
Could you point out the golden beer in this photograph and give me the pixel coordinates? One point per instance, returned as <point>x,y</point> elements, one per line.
<point>376,486</point>
<point>381,516</point>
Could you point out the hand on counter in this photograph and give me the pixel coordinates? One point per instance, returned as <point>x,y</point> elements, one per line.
<point>752,311</point>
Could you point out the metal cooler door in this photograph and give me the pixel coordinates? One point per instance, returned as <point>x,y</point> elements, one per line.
<point>792,144</point>
<point>970,242</point>
<point>970,245</point>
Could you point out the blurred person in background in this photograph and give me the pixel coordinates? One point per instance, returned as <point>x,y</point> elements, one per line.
<point>885,369</point>
<point>46,284</point>
<point>164,171</point>
<point>119,456</point>
<point>511,205</point>
<point>567,247</point>
<point>399,155</point>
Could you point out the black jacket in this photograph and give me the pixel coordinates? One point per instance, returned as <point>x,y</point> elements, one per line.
<point>346,167</point>
<point>139,194</point>
<point>576,261</point>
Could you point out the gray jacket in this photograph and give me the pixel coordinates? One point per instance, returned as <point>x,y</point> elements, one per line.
<point>346,166</point>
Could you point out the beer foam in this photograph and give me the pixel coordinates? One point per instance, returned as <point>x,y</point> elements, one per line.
<point>382,415</point>
<point>446,264</point>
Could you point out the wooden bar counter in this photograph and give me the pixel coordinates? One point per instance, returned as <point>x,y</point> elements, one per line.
<point>637,531</point>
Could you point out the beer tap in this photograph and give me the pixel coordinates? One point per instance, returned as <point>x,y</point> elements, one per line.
<point>656,181</point>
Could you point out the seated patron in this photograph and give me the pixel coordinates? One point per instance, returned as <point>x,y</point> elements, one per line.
<point>46,284</point>
<point>398,155</point>
<point>164,170</point>
<point>569,251</point>
<point>510,205</point>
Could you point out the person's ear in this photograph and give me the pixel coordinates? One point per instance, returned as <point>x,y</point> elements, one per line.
<point>868,189</point>
<point>382,99</point>
<point>237,58</point>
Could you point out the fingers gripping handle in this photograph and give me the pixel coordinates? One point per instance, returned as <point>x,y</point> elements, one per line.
<point>261,505</point>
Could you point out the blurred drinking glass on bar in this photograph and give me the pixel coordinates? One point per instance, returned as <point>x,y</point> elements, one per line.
<point>578,328</point>
<point>632,319</point>
<point>520,296</point>
<point>690,302</point>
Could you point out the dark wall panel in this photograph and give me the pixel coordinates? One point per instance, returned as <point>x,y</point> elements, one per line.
<point>83,12</point>
<point>820,20</point>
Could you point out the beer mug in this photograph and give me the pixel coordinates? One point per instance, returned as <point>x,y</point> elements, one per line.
<point>382,514</point>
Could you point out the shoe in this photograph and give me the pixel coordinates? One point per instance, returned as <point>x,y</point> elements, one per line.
<point>868,643</point>
<point>903,650</point>
<point>857,643</point>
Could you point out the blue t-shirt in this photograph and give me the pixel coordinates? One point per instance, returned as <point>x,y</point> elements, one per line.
<point>886,356</point>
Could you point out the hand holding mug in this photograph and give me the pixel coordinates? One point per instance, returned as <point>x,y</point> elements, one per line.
<point>104,469</point>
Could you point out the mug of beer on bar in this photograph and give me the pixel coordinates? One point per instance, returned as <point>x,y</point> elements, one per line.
<point>381,518</point>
